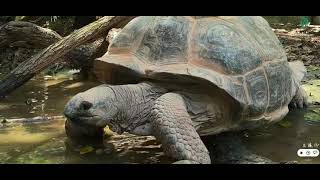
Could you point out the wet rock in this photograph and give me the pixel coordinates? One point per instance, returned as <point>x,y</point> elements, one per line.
<point>316,103</point>
<point>99,151</point>
<point>4,120</point>
<point>119,150</point>
<point>109,149</point>
<point>77,76</point>
<point>183,162</point>
<point>31,101</point>
<point>289,162</point>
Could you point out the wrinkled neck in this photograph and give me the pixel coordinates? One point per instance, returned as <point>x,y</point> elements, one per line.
<point>134,103</point>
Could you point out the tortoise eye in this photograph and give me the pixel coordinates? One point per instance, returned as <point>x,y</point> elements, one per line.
<point>85,105</point>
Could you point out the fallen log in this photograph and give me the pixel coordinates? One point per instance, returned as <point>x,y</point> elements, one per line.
<point>38,119</point>
<point>28,38</point>
<point>27,69</point>
<point>27,35</point>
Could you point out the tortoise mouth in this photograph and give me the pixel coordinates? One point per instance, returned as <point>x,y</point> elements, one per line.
<point>89,120</point>
<point>97,121</point>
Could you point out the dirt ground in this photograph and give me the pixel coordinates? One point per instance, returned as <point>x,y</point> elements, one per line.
<point>300,44</point>
<point>303,44</point>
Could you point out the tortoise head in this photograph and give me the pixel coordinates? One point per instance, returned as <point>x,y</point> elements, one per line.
<point>96,107</point>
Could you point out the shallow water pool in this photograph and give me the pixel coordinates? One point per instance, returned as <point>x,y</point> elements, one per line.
<point>47,143</point>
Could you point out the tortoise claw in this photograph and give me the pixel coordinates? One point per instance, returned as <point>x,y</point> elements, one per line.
<point>300,100</point>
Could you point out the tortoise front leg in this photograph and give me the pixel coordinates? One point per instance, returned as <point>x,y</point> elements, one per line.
<point>300,100</point>
<point>172,126</point>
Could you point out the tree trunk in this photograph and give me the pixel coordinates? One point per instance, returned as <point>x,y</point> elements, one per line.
<point>50,55</point>
<point>38,119</point>
<point>20,40</point>
<point>26,34</point>
<point>38,20</point>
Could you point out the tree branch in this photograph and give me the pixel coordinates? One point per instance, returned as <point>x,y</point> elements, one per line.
<point>33,38</point>
<point>27,69</point>
<point>26,34</point>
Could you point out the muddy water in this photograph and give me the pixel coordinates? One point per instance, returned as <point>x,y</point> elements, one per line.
<point>40,97</point>
<point>280,142</point>
<point>46,142</point>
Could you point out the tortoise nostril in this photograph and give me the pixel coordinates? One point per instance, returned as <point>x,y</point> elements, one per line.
<point>85,105</point>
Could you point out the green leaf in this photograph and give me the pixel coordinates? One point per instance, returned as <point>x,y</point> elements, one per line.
<point>108,132</point>
<point>312,116</point>
<point>18,18</point>
<point>86,149</point>
<point>285,124</point>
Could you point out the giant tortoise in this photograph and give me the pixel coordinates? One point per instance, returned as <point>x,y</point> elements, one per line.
<point>179,78</point>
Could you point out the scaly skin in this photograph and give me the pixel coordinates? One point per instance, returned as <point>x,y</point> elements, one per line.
<point>172,126</point>
<point>300,100</point>
<point>123,108</point>
<point>141,109</point>
<point>127,108</point>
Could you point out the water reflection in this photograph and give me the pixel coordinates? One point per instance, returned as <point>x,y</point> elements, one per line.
<point>47,143</point>
<point>39,97</point>
<point>280,142</point>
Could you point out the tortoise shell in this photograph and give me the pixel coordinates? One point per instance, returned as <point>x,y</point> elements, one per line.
<point>240,55</point>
